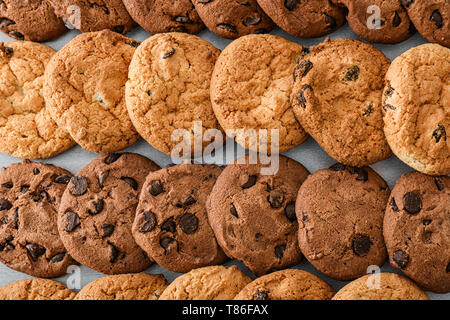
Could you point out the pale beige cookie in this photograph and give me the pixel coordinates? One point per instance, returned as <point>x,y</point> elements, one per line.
<point>250,90</point>
<point>207,283</point>
<point>84,86</point>
<point>36,289</point>
<point>132,286</point>
<point>381,286</point>
<point>417,108</point>
<point>26,128</point>
<point>168,88</point>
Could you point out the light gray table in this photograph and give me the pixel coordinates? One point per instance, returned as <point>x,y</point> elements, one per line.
<point>310,154</point>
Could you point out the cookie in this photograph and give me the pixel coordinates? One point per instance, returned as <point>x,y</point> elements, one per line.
<point>289,284</point>
<point>36,289</point>
<point>337,99</point>
<point>340,212</point>
<point>381,286</point>
<point>84,87</point>
<point>250,89</point>
<point>168,89</point>
<point>233,19</point>
<point>132,286</point>
<point>93,15</point>
<point>159,16</point>
<point>431,18</point>
<point>393,26</point>
<point>416,105</point>
<point>30,194</point>
<point>253,215</point>
<point>30,20</point>
<point>417,229</point>
<point>171,222</point>
<point>305,19</point>
<point>97,212</point>
<point>26,128</point>
<point>207,283</point>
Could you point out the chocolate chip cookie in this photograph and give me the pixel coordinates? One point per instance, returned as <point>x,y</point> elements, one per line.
<point>416,104</point>
<point>26,127</point>
<point>97,211</point>
<point>94,15</point>
<point>305,19</point>
<point>84,88</point>
<point>431,18</point>
<point>30,194</point>
<point>289,284</point>
<point>233,19</point>
<point>250,89</point>
<point>417,229</point>
<point>168,91</point>
<point>171,222</point>
<point>158,16</point>
<point>337,99</point>
<point>36,289</point>
<point>253,215</point>
<point>340,212</point>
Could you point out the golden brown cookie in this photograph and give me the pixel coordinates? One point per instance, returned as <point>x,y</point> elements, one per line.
<point>36,289</point>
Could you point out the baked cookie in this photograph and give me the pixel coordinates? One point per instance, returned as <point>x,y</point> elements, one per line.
<point>26,128</point>
<point>337,99</point>
<point>289,284</point>
<point>171,222</point>
<point>417,229</point>
<point>97,212</point>
<point>305,19</point>
<point>250,89</point>
<point>207,283</point>
<point>431,18</point>
<point>132,286</point>
<point>94,15</point>
<point>30,194</point>
<point>158,16</point>
<point>381,286</point>
<point>233,19</point>
<point>253,215</point>
<point>393,26</point>
<point>416,105</point>
<point>168,89</point>
<point>84,87</point>
<point>36,289</point>
<point>340,212</point>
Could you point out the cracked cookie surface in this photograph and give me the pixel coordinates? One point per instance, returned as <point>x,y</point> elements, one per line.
<point>36,289</point>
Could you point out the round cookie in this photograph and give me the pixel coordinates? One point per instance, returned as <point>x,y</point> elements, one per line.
<point>36,289</point>
<point>158,16</point>
<point>84,87</point>
<point>289,284</point>
<point>97,212</point>
<point>305,19</point>
<point>233,19</point>
<point>394,25</point>
<point>381,286</point>
<point>416,104</point>
<point>132,286</point>
<point>171,222</point>
<point>30,194</point>
<point>431,18</point>
<point>250,89</point>
<point>168,90</point>
<point>337,99</point>
<point>26,127</point>
<point>207,283</point>
<point>340,212</point>
<point>252,213</point>
<point>417,229</point>
<point>93,15</point>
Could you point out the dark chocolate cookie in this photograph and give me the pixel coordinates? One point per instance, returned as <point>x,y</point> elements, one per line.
<point>30,193</point>
<point>97,211</point>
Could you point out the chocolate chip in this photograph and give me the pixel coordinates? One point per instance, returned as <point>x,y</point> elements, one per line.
<point>440,133</point>
<point>361,245</point>
<point>36,171</point>
<point>98,206</point>
<point>177,29</point>
<point>389,90</point>
<point>279,251</point>
<point>58,257</point>
<point>72,221</point>
<point>233,211</point>
<point>15,219</point>
<point>35,251</point>
<point>183,19</point>
<point>186,203</point>
<point>426,222</point>
<point>227,27</point>
<point>362,174</point>
<point>330,22</point>
<point>166,243</point>
<point>112,157</point>
<point>5,204</point>
<point>412,203</point>
<point>290,4</point>
<point>102,178</point>
<point>436,17</point>
<point>204,1</point>
<point>397,20</point>
<point>119,29</point>
<point>169,225</point>
<point>169,54</point>
<point>134,43</point>
<point>275,199</point>
<point>25,188</point>
<point>289,211</point>
<point>4,220</point>
<point>261,31</point>
<point>261,295</point>
<point>62,179</point>
<point>131,182</point>
<point>393,205</point>
<point>306,66</point>
<point>7,185</point>
<point>251,181</point>
<point>338,167</point>
<point>407,3</point>
<point>113,252</point>
<point>149,222</point>
<point>156,188</point>
<point>107,230</point>
<point>252,21</point>
<point>301,100</point>
<point>17,35</point>
<point>149,92</point>
<point>4,22</point>
<point>368,111</point>
<point>401,258</point>
<point>79,186</point>
<point>388,106</point>
<point>188,223</point>
<point>352,74</point>
<point>439,184</point>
